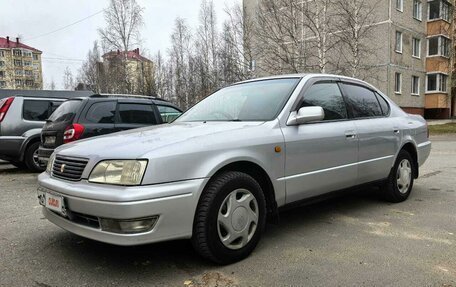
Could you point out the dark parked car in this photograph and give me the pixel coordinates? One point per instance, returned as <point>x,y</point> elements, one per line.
<point>80,118</point>
<point>22,115</point>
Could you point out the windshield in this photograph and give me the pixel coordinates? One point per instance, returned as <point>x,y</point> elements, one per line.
<point>66,111</point>
<point>252,101</point>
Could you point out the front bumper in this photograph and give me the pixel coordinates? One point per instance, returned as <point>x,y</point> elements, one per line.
<point>175,204</point>
<point>10,147</point>
<point>44,154</point>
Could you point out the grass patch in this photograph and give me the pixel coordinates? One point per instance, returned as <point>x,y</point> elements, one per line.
<point>449,128</point>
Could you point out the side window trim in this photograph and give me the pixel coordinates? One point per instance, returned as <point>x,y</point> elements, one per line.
<point>387,104</point>
<point>344,92</point>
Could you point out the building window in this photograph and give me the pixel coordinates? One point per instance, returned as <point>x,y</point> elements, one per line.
<point>415,85</point>
<point>397,83</point>
<point>417,9</point>
<point>17,52</point>
<point>18,72</point>
<point>29,83</point>
<point>439,9</point>
<point>436,82</point>
<point>2,74</point>
<point>28,73</point>
<point>35,57</point>
<point>439,46</point>
<point>17,63</point>
<point>2,84</point>
<point>18,82</point>
<point>2,63</point>
<point>26,53</point>
<point>2,53</point>
<point>400,5</point>
<point>27,63</point>
<point>398,42</point>
<point>416,47</point>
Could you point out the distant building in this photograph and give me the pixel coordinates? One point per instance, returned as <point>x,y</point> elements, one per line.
<point>138,74</point>
<point>411,53</point>
<point>20,66</point>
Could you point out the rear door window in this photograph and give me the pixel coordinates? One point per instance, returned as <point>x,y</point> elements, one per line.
<point>362,101</point>
<point>36,110</point>
<point>327,96</point>
<point>168,114</point>
<point>137,114</point>
<point>102,113</point>
<point>66,111</point>
<point>383,104</point>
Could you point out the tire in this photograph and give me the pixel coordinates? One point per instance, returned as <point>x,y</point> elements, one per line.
<point>30,158</point>
<point>18,164</point>
<point>217,202</point>
<point>399,185</point>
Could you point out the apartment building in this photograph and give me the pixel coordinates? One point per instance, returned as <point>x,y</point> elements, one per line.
<point>410,58</point>
<point>20,66</point>
<point>139,69</point>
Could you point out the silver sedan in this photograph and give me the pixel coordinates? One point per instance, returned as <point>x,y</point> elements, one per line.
<point>233,160</point>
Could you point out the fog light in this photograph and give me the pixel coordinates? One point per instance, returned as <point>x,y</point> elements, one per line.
<point>128,226</point>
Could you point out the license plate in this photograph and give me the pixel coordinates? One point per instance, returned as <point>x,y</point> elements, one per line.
<point>49,140</point>
<point>53,202</point>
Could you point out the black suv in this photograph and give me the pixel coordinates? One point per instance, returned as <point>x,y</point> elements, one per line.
<point>80,118</point>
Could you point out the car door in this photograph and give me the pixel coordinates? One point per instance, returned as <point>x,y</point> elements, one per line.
<point>320,156</point>
<point>377,134</point>
<point>99,118</point>
<point>135,115</point>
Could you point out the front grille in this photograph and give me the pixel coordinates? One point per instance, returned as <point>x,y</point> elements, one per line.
<point>72,170</point>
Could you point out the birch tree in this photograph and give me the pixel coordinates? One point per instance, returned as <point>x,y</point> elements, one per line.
<point>123,23</point>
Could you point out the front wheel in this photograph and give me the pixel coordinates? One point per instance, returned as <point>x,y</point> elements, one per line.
<point>230,218</point>
<point>400,181</point>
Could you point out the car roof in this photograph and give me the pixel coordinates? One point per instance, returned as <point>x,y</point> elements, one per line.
<point>128,98</point>
<point>309,75</point>
<point>50,94</point>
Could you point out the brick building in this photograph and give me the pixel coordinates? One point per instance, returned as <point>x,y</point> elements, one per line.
<point>20,66</point>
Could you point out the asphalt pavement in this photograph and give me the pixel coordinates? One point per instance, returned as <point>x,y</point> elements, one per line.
<point>354,240</point>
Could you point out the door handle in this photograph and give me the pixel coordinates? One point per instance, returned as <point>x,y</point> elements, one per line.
<point>350,135</point>
<point>396,131</point>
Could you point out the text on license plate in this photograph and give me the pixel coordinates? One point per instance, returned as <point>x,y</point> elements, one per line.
<point>54,202</point>
<point>49,140</point>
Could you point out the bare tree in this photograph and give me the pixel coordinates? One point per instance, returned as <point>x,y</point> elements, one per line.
<point>89,73</point>
<point>179,57</point>
<point>206,48</point>
<point>123,22</point>
<point>280,37</point>
<point>235,51</point>
<point>51,85</point>
<point>320,21</point>
<point>356,19</point>
<point>68,79</point>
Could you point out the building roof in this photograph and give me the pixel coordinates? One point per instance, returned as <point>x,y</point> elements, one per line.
<point>132,55</point>
<point>4,93</point>
<point>7,43</point>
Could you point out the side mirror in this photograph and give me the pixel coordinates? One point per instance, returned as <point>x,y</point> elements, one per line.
<point>305,115</point>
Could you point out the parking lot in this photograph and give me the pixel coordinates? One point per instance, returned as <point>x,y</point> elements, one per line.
<point>355,240</point>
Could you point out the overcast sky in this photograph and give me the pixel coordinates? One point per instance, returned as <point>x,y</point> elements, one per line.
<point>30,19</point>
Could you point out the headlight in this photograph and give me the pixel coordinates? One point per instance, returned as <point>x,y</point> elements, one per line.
<point>119,172</point>
<point>50,163</point>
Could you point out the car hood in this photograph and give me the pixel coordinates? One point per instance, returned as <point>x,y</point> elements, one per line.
<point>137,143</point>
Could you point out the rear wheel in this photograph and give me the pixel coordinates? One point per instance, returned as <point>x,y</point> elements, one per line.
<point>400,181</point>
<point>31,158</point>
<point>230,218</point>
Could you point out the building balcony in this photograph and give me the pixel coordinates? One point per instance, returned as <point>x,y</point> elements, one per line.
<point>437,101</point>
<point>437,64</point>
<point>438,27</point>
